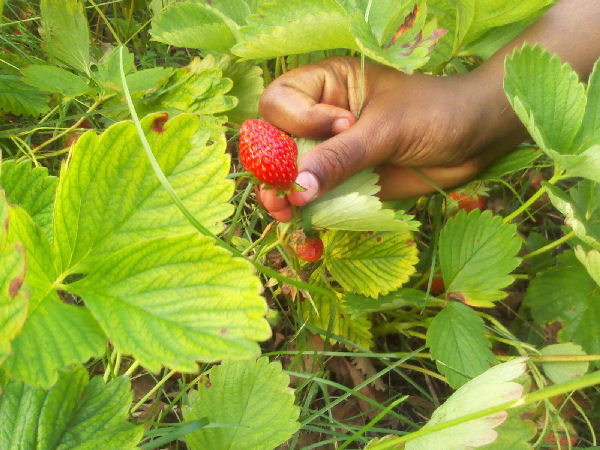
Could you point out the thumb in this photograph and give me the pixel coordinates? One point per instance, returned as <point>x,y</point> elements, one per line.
<point>331,162</point>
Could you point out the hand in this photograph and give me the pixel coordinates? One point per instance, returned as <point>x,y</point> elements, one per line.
<point>440,125</point>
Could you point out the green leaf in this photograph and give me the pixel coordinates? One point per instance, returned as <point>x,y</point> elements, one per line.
<point>13,301</point>
<point>55,79</point>
<point>359,305</point>
<point>590,260</point>
<point>512,162</point>
<point>192,25</point>
<point>66,33</point>
<point>331,314</point>
<point>236,10</point>
<point>589,134</point>
<point>55,334</point>
<point>252,397</point>
<point>353,205</point>
<point>74,413</point>
<point>173,301</point>
<point>458,344</point>
<point>108,74</point>
<point>107,200</point>
<point>370,263</point>
<point>561,372</point>
<point>32,189</point>
<point>409,47</point>
<point>200,93</point>
<point>581,208</point>
<point>551,108</point>
<point>493,387</point>
<point>477,254</point>
<point>247,79</point>
<point>514,434</point>
<point>585,164</point>
<point>566,297</point>
<point>286,27</point>
<point>20,99</point>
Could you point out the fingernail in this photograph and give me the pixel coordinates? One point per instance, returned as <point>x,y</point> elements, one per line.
<point>310,184</point>
<point>340,125</point>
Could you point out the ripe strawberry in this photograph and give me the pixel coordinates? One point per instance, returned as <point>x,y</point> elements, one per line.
<point>269,154</point>
<point>468,203</point>
<point>311,250</point>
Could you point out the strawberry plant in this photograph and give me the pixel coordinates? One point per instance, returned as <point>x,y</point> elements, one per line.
<point>148,300</point>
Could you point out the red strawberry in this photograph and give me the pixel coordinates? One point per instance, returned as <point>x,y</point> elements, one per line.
<point>468,203</point>
<point>269,154</point>
<point>311,249</point>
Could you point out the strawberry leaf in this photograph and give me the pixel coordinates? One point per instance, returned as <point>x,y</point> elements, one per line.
<point>107,200</point>
<point>66,33</point>
<point>552,109</point>
<point>55,79</point>
<point>561,372</point>
<point>55,334</point>
<point>193,25</point>
<point>590,260</point>
<point>477,254</point>
<point>331,315</point>
<point>32,189</point>
<point>566,297</point>
<point>13,301</point>
<point>20,99</point>
<point>493,387</point>
<point>247,79</point>
<point>286,27</point>
<point>581,208</point>
<point>370,263</point>
<point>184,293</point>
<point>353,205</point>
<point>260,410</point>
<point>74,413</point>
<point>458,344</point>
<point>589,135</point>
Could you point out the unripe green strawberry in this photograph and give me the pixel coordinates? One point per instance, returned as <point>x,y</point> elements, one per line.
<point>269,154</point>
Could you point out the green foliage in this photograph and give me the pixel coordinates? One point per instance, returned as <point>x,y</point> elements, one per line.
<point>370,263</point>
<point>250,400</point>
<point>510,163</point>
<point>458,344</point>
<point>114,224</point>
<point>514,434</point>
<point>331,315</point>
<point>172,301</point>
<point>359,305</point>
<point>66,34</point>
<point>69,333</point>
<point>19,99</point>
<point>581,208</point>
<point>13,301</point>
<point>566,297</point>
<point>561,372</point>
<point>74,413</point>
<point>589,134</point>
<point>554,110</point>
<point>590,260</point>
<point>493,387</point>
<point>477,254</point>
<point>123,203</point>
<point>353,206</point>
<point>32,189</point>
<point>55,79</point>
<point>193,25</point>
<point>247,80</point>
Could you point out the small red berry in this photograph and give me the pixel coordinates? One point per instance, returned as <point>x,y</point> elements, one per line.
<point>268,153</point>
<point>468,203</point>
<point>311,250</point>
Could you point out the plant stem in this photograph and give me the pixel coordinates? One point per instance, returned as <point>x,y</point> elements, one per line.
<point>550,246</point>
<point>238,212</point>
<point>155,388</point>
<point>531,200</point>
<point>533,397</point>
<point>132,368</point>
